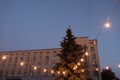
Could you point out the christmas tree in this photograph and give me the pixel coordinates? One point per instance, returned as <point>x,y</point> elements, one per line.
<point>72,65</point>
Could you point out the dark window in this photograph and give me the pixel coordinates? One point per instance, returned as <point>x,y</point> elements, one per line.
<point>47,58</point>
<point>28,53</point>
<point>54,51</point>
<point>92,49</point>
<point>93,56</point>
<point>40,52</point>
<point>94,64</point>
<point>40,57</point>
<point>34,52</point>
<point>48,52</point>
<point>91,42</point>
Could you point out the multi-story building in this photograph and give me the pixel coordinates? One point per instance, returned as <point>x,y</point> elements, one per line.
<point>38,64</point>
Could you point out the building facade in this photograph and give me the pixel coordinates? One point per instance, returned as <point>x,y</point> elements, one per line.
<point>38,64</point>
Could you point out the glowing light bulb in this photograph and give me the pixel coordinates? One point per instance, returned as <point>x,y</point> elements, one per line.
<point>82,70</point>
<point>45,70</point>
<point>52,71</point>
<point>97,69</point>
<point>86,53</point>
<point>58,72</point>
<point>4,57</point>
<point>22,63</point>
<point>35,68</point>
<point>78,64</point>
<point>82,60</point>
<point>106,67</point>
<point>63,72</point>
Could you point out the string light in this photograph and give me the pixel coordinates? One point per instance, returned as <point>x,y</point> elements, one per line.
<point>97,69</point>
<point>86,53</point>
<point>107,68</point>
<point>58,72</point>
<point>52,71</point>
<point>22,63</point>
<point>45,70</point>
<point>35,68</point>
<point>75,67</point>
<point>63,72</point>
<point>4,57</point>
<point>82,60</point>
<point>82,70</point>
<point>78,64</point>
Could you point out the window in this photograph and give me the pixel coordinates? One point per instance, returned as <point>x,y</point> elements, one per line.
<point>28,58</point>
<point>47,58</point>
<point>91,42</point>
<point>40,52</point>
<point>34,58</point>
<point>53,57</point>
<point>94,64</point>
<point>92,49</point>
<point>54,51</point>
<point>85,47</point>
<point>93,56</point>
<point>39,63</point>
<point>46,65</point>
<point>53,64</point>
<point>34,52</point>
<point>40,57</point>
<point>48,52</point>
<point>22,53</point>
<point>95,73</point>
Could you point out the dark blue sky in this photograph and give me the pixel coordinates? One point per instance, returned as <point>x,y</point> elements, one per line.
<point>39,24</point>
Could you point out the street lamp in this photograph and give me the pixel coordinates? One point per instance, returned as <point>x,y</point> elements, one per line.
<point>107,24</point>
